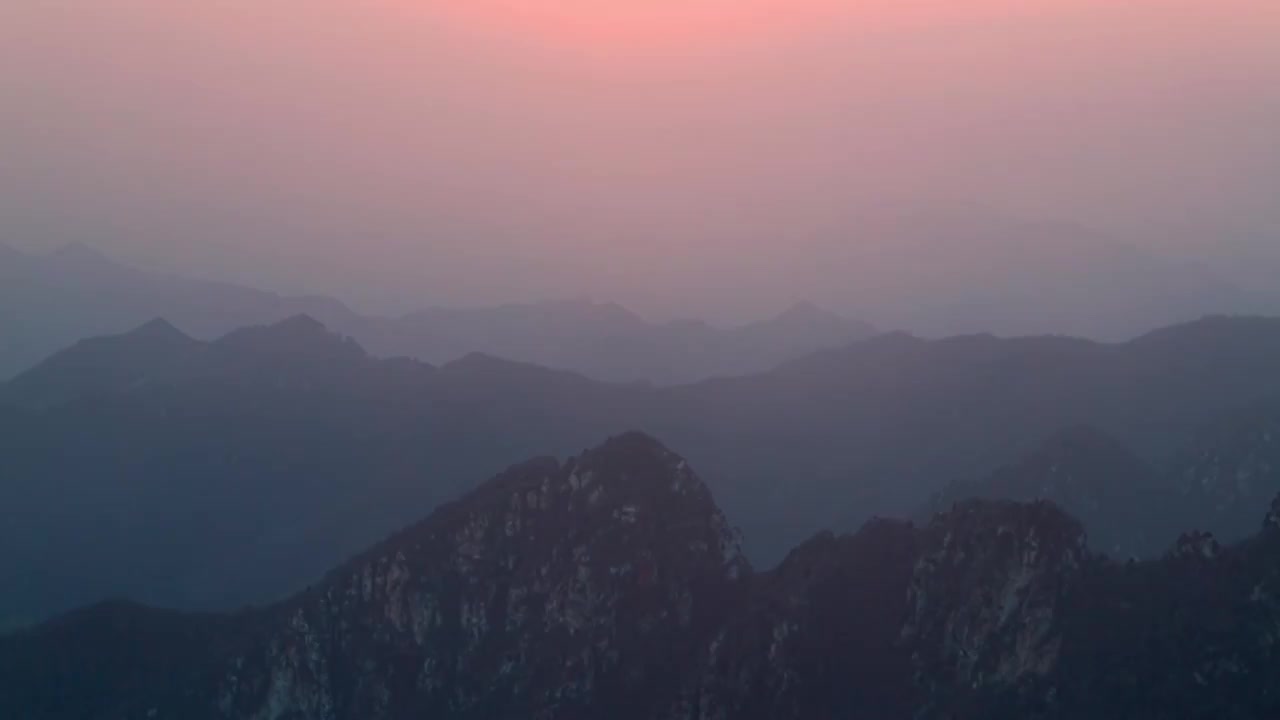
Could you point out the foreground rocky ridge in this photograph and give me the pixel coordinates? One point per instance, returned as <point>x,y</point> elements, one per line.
<point>611,586</point>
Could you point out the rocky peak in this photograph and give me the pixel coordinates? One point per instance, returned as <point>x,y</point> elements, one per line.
<point>1196,546</point>
<point>806,321</point>
<point>550,583</point>
<point>986,593</point>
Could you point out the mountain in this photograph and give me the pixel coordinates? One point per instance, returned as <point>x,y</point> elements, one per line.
<point>1215,482</point>
<point>947,271</point>
<point>1124,503</point>
<point>234,470</point>
<point>611,586</point>
<point>48,302</point>
<point>1232,466</point>
<point>112,364</point>
<point>157,354</point>
<point>81,293</point>
<point>608,342</point>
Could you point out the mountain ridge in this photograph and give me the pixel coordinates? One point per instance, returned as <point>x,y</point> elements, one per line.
<point>495,606</point>
<point>243,431</point>
<point>84,293</point>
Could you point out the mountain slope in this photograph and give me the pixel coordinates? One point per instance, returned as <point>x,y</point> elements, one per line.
<point>1215,483</point>
<point>289,448</point>
<point>1126,505</point>
<point>609,586</point>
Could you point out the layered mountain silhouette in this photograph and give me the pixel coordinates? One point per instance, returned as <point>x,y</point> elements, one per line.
<point>611,585</point>
<point>81,293</point>
<point>227,472</point>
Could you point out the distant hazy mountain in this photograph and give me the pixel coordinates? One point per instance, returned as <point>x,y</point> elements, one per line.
<point>1214,483</point>
<point>610,586</point>
<point>234,470</point>
<point>49,302</point>
<point>1233,465</point>
<point>608,342</point>
<point>1127,508</point>
<point>962,270</point>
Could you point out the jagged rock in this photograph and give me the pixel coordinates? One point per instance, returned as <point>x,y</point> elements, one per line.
<point>986,593</point>
<point>1196,546</point>
<point>566,590</point>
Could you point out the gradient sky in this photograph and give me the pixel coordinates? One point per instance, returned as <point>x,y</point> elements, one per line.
<point>691,157</point>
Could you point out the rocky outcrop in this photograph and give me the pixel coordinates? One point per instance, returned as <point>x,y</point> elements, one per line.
<point>986,597</point>
<point>611,586</point>
<point>818,635</point>
<point>554,591</point>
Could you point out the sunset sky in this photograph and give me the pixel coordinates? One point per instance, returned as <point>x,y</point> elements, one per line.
<point>709,157</point>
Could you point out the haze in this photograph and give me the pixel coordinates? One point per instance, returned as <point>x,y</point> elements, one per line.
<point>709,159</point>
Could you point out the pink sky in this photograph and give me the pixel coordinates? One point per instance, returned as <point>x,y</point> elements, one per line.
<point>666,153</point>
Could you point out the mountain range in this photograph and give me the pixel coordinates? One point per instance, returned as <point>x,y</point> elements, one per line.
<point>206,475</point>
<point>610,585</point>
<point>81,293</point>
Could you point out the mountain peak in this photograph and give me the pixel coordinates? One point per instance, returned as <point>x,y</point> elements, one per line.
<point>159,328</point>
<point>300,340</point>
<point>621,537</point>
<point>301,323</point>
<point>152,353</point>
<point>814,326</point>
<point>632,474</point>
<point>297,328</point>
<point>1210,329</point>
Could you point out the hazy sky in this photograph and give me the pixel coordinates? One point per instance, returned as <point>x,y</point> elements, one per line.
<point>699,157</point>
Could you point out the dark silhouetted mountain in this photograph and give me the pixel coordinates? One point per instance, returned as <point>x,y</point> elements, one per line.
<point>287,448</point>
<point>611,586</point>
<point>49,302</point>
